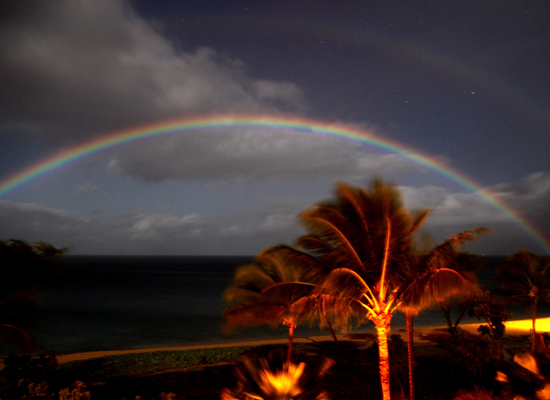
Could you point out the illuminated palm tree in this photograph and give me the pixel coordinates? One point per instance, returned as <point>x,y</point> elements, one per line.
<point>363,240</point>
<point>363,245</point>
<point>523,277</point>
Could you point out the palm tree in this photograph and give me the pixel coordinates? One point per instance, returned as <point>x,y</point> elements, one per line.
<point>523,277</point>
<point>363,244</point>
<point>432,278</point>
<point>363,241</point>
<point>263,293</point>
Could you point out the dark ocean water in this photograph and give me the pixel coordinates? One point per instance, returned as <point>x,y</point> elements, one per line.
<point>128,302</point>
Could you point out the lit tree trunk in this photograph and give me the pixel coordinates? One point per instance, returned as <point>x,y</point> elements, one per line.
<point>291,325</point>
<point>446,307</point>
<point>333,334</point>
<point>323,310</point>
<point>382,324</point>
<point>411,354</point>
<point>534,321</point>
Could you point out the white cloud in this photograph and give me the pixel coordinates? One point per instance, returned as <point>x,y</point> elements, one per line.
<point>157,226</point>
<point>32,222</point>
<point>241,155</point>
<point>278,222</point>
<point>141,232</point>
<point>454,212</point>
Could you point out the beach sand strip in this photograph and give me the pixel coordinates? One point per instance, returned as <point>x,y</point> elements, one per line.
<point>521,327</point>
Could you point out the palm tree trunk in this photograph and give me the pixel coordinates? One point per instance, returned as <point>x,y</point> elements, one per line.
<point>446,308</point>
<point>384,359</point>
<point>290,341</point>
<point>332,333</point>
<point>411,353</point>
<point>534,321</point>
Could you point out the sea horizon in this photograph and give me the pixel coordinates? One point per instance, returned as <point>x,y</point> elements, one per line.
<point>102,303</point>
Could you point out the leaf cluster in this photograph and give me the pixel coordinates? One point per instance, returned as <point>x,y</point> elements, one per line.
<point>486,306</point>
<point>524,277</point>
<point>23,264</point>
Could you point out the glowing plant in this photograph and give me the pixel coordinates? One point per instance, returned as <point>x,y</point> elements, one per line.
<point>260,379</point>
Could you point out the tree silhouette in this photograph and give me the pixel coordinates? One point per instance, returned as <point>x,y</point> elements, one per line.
<point>523,277</point>
<point>469,264</point>
<point>432,278</point>
<point>24,269</point>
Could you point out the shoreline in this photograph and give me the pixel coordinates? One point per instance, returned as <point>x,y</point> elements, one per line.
<point>518,327</point>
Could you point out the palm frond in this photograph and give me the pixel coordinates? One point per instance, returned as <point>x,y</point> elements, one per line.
<point>288,292</point>
<point>520,273</point>
<point>330,232</point>
<point>318,308</point>
<point>436,285</point>
<point>418,219</point>
<point>444,254</point>
<point>248,316</point>
<point>344,283</point>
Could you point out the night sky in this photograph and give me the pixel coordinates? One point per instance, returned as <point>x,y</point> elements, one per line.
<point>465,83</point>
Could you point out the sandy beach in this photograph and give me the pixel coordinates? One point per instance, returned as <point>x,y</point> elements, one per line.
<point>519,327</point>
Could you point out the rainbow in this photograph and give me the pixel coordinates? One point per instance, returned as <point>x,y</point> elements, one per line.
<point>284,123</point>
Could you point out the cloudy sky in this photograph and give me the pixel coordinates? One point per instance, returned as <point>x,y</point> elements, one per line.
<point>464,83</point>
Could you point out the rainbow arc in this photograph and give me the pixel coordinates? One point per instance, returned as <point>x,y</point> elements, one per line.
<point>283,123</point>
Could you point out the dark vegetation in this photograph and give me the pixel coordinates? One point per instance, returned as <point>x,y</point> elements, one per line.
<point>202,374</point>
<point>24,268</point>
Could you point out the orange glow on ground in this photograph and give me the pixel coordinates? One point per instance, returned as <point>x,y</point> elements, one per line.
<point>524,326</point>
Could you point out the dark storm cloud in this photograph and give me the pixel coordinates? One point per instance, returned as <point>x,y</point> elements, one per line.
<point>72,69</point>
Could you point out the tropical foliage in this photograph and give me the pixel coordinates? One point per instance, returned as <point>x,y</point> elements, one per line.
<point>433,277</point>
<point>264,291</point>
<point>363,256</point>
<point>356,262</point>
<point>468,264</point>
<point>524,277</point>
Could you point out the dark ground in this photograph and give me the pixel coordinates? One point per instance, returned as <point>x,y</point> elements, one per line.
<point>439,373</point>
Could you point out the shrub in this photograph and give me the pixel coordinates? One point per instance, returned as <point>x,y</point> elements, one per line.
<point>476,394</point>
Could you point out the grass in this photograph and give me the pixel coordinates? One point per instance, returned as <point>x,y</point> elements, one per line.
<point>137,364</point>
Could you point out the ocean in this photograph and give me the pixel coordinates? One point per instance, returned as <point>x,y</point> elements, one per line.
<point>130,302</point>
